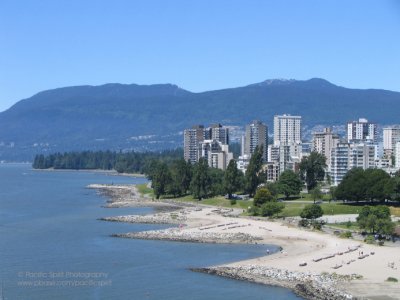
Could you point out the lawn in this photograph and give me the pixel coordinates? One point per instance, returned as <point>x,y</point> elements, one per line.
<point>217,201</point>
<point>144,190</point>
<point>395,211</point>
<point>353,226</point>
<point>293,209</point>
<point>304,197</point>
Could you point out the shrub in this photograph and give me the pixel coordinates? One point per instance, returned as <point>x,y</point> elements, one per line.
<point>346,235</point>
<point>392,279</point>
<point>304,223</point>
<point>233,201</point>
<point>253,210</point>
<point>271,208</point>
<point>262,196</point>
<point>312,211</point>
<point>369,239</point>
<point>317,225</point>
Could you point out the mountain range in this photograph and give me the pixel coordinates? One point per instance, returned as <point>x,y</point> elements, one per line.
<point>152,117</point>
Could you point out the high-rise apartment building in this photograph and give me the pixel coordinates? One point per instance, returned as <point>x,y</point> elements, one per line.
<point>391,135</point>
<point>256,135</point>
<point>287,139</point>
<point>216,153</point>
<point>271,170</point>
<point>361,131</point>
<point>219,133</point>
<point>346,156</point>
<point>210,143</point>
<point>397,156</point>
<point>191,140</point>
<point>273,153</point>
<point>287,129</point>
<point>323,142</point>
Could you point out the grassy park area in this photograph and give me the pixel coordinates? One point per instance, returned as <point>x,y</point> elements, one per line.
<point>292,207</point>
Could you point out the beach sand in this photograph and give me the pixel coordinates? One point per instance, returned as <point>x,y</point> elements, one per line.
<point>338,260</point>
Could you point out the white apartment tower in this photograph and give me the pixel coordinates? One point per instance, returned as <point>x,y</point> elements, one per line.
<point>391,135</point>
<point>256,135</point>
<point>324,142</point>
<point>202,142</point>
<point>397,156</point>
<point>361,131</point>
<point>191,140</point>
<point>287,130</point>
<point>216,153</point>
<point>346,156</point>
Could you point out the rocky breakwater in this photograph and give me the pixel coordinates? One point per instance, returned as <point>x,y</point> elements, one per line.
<point>160,218</point>
<point>307,285</point>
<point>129,196</point>
<point>182,235</point>
<point>119,195</point>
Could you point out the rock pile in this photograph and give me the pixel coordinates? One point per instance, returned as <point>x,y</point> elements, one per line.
<point>307,285</point>
<point>162,218</point>
<point>175,234</point>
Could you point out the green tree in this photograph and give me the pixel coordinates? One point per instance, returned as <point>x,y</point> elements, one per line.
<point>232,179</point>
<point>262,196</point>
<point>181,177</point>
<point>289,183</point>
<point>271,208</point>
<point>161,179</point>
<point>376,219</point>
<point>201,180</point>
<point>332,193</point>
<point>316,193</point>
<point>392,188</point>
<point>253,175</point>
<point>353,186</point>
<point>217,181</point>
<point>370,184</point>
<point>312,211</point>
<point>312,169</point>
<point>273,187</point>
<point>376,179</point>
<point>385,226</point>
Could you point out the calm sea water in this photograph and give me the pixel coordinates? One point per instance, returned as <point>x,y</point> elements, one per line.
<point>53,247</point>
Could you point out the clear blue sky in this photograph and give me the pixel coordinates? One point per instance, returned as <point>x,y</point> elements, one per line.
<point>198,45</point>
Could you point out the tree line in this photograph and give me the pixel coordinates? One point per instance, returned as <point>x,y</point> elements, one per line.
<point>201,181</point>
<point>172,176</point>
<point>129,162</point>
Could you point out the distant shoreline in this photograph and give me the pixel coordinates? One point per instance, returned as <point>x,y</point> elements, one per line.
<point>99,171</point>
<point>333,268</point>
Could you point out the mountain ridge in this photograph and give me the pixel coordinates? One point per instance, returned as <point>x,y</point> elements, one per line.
<point>114,116</point>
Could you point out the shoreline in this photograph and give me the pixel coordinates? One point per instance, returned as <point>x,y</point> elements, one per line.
<point>314,265</point>
<point>309,286</point>
<point>98,171</point>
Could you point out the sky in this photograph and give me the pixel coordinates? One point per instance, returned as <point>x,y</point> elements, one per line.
<point>198,45</point>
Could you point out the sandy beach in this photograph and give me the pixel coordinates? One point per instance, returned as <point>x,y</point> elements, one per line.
<point>315,265</point>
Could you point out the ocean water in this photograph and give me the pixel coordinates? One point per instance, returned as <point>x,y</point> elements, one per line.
<point>53,247</point>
